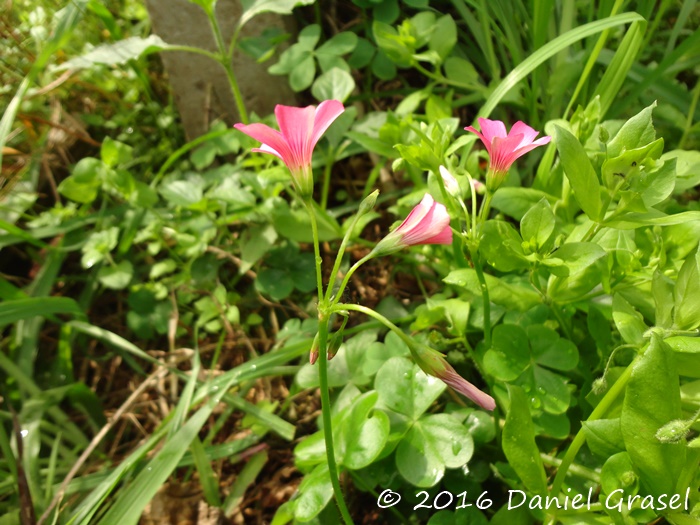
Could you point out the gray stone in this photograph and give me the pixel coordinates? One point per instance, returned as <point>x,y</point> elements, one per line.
<point>201,89</point>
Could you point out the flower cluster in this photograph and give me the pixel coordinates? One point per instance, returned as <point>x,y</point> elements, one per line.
<point>427,223</point>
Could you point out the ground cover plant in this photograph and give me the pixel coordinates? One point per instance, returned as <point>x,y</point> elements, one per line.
<point>458,283</point>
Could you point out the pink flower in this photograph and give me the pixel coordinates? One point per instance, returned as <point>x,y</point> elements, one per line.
<point>451,184</point>
<point>428,223</point>
<point>433,363</point>
<point>300,130</point>
<point>504,148</point>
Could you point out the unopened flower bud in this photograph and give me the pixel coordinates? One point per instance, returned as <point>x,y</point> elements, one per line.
<point>313,356</point>
<point>673,432</point>
<point>368,203</point>
<point>451,184</point>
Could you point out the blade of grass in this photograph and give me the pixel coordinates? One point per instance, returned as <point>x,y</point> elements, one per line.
<point>683,16</point>
<point>243,481</point>
<point>615,74</point>
<point>207,477</point>
<point>130,503</point>
<point>547,51</point>
<point>13,311</point>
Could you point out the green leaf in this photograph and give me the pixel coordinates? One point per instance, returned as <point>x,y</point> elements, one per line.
<point>362,436</point>
<point>276,283</point>
<point>580,172</point>
<point>183,192</point>
<point>404,388</point>
<point>391,44</point>
<point>628,321</point>
<point>444,37</point>
<point>550,350</point>
<point>256,242</point>
<point>618,473</point>
<point>515,202</point>
<point>13,310</point>
<point>253,8</point>
<point>509,354</point>
<point>538,224</point>
<point>315,491</point>
<point>82,184</point>
<point>604,436</point>
<point>116,277</point>
<point>433,443</point>
<point>461,71</point>
<point>119,52</point>
<point>519,444</point>
<point>114,153</point>
<point>334,84</point>
<point>686,314</point>
<point>518,296</point>
<point>662,290</point>
<point>341,44</point>
<point>652,399</point>
<point>303,74</point>
<point>501,245</point>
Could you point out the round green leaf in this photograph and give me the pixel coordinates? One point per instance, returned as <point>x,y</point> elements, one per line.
<point>509,354</point>
<point>433,443</point>
<point>274,282</point>
<point>116,277</point>
<point>405,388</point>
<point>334,84</point>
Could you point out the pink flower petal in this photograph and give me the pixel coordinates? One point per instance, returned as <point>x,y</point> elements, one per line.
<point>492,129</point>
<point>444,237</point>
<point>326,113</point>
<point>487,143</point>
<point>526,131</point>
<point>417,214</point>
<point>503,152</point>
<point>461,385</point>
<point>296,126</point>
<point>269,137</point>
<point>264,148</point>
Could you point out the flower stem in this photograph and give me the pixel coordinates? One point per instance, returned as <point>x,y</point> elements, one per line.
<point>326,416</point>
<point>225,60</point>
<point>474,254</point>
<point>351,271</point>
<point>379,317</point>
<point>323,317</point>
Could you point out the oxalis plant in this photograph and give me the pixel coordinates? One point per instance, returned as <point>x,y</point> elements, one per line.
<point>598,242</point>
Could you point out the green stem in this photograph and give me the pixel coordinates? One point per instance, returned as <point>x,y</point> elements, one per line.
<point>474,254</point>
<point>580,437</point>
<point>326,415</point>
<point>379,317</point>
<point>225,60</point>
<point>346,279</point>
<point>317,253</point>
<point>323,317</point>
<point>339,259</point>
<point>327,178</point>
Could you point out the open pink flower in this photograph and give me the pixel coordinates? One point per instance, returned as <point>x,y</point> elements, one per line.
<point>504,148</point>
<point>433,363</point>
<point>428,223</point>
<point>300,130</point>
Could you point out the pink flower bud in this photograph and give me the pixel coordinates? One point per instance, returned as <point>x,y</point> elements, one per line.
<point>451,184</point>
<point>433,363</point>
<point>428,223</point>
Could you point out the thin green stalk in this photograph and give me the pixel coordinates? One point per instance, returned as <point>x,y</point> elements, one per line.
<point>323,317</point>
<point>326,415</point>
<point>339,259</point>
<point>691,115</point>
<point>225,60</point>
<point>330,159</point>
<point>379,317</point>
<point>351,271</point>
<point>317,253</point>
<point>580,437</point>
<point>474,254</point>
